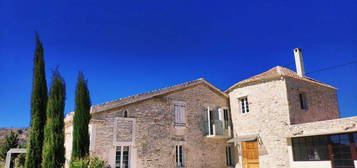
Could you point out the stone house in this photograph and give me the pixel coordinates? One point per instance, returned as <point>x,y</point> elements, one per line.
<point>276,119</point>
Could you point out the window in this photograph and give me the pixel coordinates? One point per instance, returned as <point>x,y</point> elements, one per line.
<point>355,142</point>
<point>125,114</point>
<point>180,114</point>
<point>180,162</point>
<point>229,156</point>
<point>341,150</point>
<point>244,105</point>
<point>310,148</point>
<point>303,101</point>
<point>122,157</point>
<point>227,119</point>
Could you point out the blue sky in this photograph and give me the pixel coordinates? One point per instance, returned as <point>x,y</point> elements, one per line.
<point>129,47</point>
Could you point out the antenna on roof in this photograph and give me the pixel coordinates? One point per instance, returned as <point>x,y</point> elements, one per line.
<point>299,62</point>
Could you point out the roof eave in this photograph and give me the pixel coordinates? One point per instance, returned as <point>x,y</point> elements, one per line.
<point>142,97</point>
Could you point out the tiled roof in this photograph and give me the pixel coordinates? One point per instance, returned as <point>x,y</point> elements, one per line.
<point>275,73</point>
<point>147,95</point>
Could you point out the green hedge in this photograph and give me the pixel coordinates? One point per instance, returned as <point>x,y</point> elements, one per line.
<point>89,162</point>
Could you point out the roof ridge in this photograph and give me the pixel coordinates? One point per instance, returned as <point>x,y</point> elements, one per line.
<point>275,72</point>
<point>151,91</point>
<point>146,95</point>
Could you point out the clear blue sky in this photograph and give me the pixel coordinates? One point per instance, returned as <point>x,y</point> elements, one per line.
<point>133,46</point>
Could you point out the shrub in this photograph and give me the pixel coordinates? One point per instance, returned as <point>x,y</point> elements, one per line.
<point>89,162</point>
<point>20,160</point>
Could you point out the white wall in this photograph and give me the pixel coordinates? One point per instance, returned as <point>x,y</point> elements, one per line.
<point>355,163</point>
<point>68,144</point>
<point>311,164</point>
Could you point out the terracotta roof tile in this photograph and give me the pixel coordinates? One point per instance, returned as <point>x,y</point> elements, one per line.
<point>274,73</point>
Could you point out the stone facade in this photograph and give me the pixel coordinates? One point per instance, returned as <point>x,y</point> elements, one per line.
<point>321,101</point>
<point>268,116</point>
<point>274,106</point>
<point>146,122</point>
<point>155,133</point>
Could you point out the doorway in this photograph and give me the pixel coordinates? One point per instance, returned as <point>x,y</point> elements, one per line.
<point>250,154</point>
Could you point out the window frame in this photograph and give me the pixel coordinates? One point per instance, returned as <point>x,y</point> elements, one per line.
<point>226,117</point>
<point>180,110</point>
<point>244,105</point>
<point>353,137</point>
<point>121,159</point>
<point>230,156</point>
<point>303,100</point>
<point>302,145</point>
<point>180,157</point>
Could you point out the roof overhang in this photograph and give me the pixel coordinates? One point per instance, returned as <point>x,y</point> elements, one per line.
<point>244,138</point>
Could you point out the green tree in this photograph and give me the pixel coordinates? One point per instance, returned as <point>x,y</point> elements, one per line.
<point>38,109</point>
<point>53,154</point>
<point>81,118</point>
<point>10,141</point>
<point>19,161</point>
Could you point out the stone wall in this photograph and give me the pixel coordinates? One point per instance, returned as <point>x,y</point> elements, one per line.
<point>268,117</point>
<point>156,135</point>
<point>321,102</point>
<point>341,125</point>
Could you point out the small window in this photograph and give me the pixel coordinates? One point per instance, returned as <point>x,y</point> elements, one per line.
<point>180,162</point>
<point>180,115</point>
<point>244,105</point>
<point>122,157</point>
<point>125,114</point>
<point>303,101</point>
<point>229,156</point>
<point>355,142</point>
<point>310,148</point>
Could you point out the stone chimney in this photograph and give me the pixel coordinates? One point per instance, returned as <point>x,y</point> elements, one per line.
<point>299,62</point>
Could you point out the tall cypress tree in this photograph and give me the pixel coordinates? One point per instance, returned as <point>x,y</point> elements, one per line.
<point>53,154</point>
<point>38,109</point>
<point>81,118</point>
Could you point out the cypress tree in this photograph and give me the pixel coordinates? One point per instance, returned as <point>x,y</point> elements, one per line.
<point>81,118</point>
<point>38,109</point>
<point>53,154</point>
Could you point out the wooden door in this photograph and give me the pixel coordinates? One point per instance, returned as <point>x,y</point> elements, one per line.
<point>250,154</point>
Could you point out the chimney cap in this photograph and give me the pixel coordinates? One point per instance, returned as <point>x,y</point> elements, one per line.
<point>297,49</point>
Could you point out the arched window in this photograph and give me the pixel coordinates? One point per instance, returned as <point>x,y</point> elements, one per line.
<point>125,113</point>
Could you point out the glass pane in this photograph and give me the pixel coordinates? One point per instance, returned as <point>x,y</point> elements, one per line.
<point>310,148</point>
<point>180,153</point>
<point>342,151</point>
<point>126,157</point>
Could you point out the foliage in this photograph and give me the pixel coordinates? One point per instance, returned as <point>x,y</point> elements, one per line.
<point>38,109</point>
<point>89,162</point>
<point>10,141</point>
<point>80,147</point>
<point>53,147</point>
<point>20,160</point>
